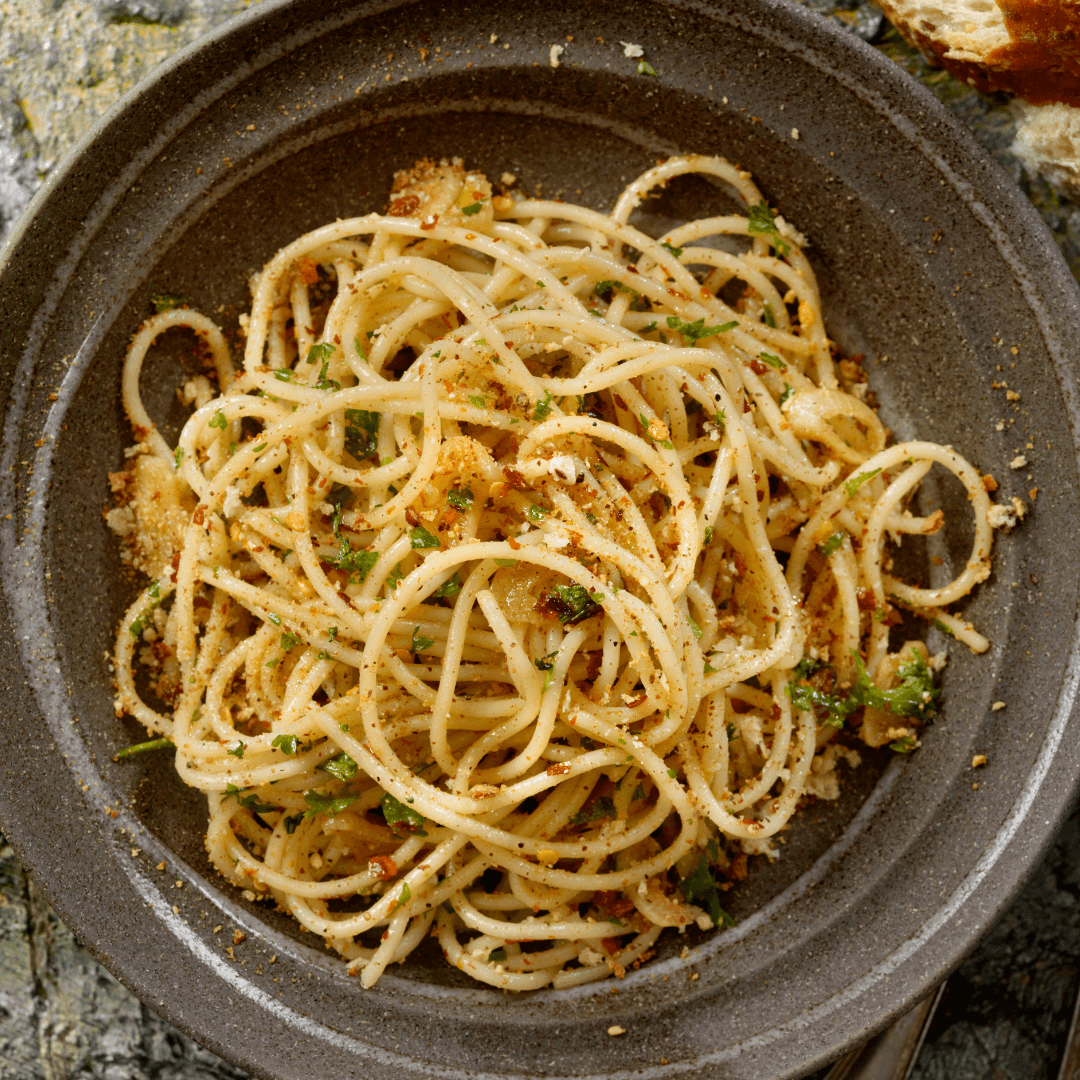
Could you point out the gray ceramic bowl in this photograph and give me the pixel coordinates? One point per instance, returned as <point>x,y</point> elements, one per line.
<point>298,113</point>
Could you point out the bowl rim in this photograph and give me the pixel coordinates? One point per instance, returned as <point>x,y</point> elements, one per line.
<point>1004,867</point>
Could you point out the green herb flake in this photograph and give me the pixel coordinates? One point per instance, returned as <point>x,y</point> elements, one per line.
<point>676,251</point>
<point>289,641</point>
<point>773,361</point>
<point>477,400</point>
<point>788,391</point>
<point>460,498</point>
<point>543,408</point>
<point>142,748</point>
<point>448,588</point>
<point>768,317</point>
<point>420,538</point>
<point>285,743</point>
<point>218,421</point>
<point>853,483</point>
<point>672,773</point>
<point>419,643</point>
<point>696,330</point>
<point>402,818</point>
<point>362,433</point>
<point>320,802</point>
<point>832,544</point>
<point>604,807</point>
<point>942,627</point>
<point>274,617</point>
<point>708,536</point>
<point>535,513</point>
<point>322,352</point>
<point>166,302</point>
<point>178,457</point>
<point>763,220</point>
<point>497,956</point>
<point>342,766</point>
<point>406,892</point>
<point>700,888</point>
<point>694,626</point>
<point>571,603</point>
<point>474,208</point>
<point>238,750</point>
<point>645,68</point>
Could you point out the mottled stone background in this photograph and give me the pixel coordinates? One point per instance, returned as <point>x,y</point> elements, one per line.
<point>63,63</point>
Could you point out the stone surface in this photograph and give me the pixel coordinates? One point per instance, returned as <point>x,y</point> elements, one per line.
<point>63,63</point>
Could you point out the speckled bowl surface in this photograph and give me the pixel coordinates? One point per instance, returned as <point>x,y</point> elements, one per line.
<point>928,255</point>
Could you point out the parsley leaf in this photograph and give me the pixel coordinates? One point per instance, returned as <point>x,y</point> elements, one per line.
<point>218,421</point>
<point>460,498</point>
<point>419,538</point>
<point>832,544</point>
<point>285,743</point>
<point>700,888</point>
<point>165,302</point>
<point>406,892</point>
<point>676,251</point>
<point>474,208</point>
<point>321,352</point>
<point>142,748</point>
<point>696,330</point>
<point>238,749</point>
<point>543,408</point>
<point>852,484</point>
<point>362,433</point>
<point>604,807</point>
<point>323,803</point>
<point>773,361</point>
<point>419,643</point>
<point>571,603</point>
<point>402,818</point>
<point>448,587</point>
<point>763,220</point>
<point>342,766</point>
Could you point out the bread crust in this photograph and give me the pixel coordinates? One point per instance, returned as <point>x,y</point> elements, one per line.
<point>1040,61</point>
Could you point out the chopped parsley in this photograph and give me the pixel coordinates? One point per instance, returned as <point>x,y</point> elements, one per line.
<point>667,444</point>
<point>604,807</point>
<point>449,587</point>
<point>788,391</point>
<point>322,803</point>
<point>362,433</point>
<point>571,603</point>
<point>402,818</point>
<point>460,498</point>
<point>142,748</point>
<point>645,68</point>
<point>342,766</point>
<point>852,484</point>
<point>322,352</point>
<point>218,421</point>
<point>406,892</point>
<point>477,400</point>
<point>773,361</point>
<point>763,220</point>
<point>419,643</point>
<point>676,251</point>
<point>165,302</point>
<point>178,457</point>
<point>543,408</point>
<point>832,544</point>
<point>238,749</point>
<point>696,330</point>
<point>473,208</point>
<point>285,743</point>
<point>420,538</point>
<point>699,888</point>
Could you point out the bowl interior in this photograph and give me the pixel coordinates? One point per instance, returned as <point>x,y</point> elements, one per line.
<point>928,265</point>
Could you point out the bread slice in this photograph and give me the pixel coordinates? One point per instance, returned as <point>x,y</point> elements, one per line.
<point>1030,48</point>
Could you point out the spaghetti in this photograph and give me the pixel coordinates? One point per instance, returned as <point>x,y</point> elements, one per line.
<point>519,583</point>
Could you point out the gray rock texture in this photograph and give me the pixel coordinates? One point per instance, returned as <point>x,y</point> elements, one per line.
<point>64,63</point>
